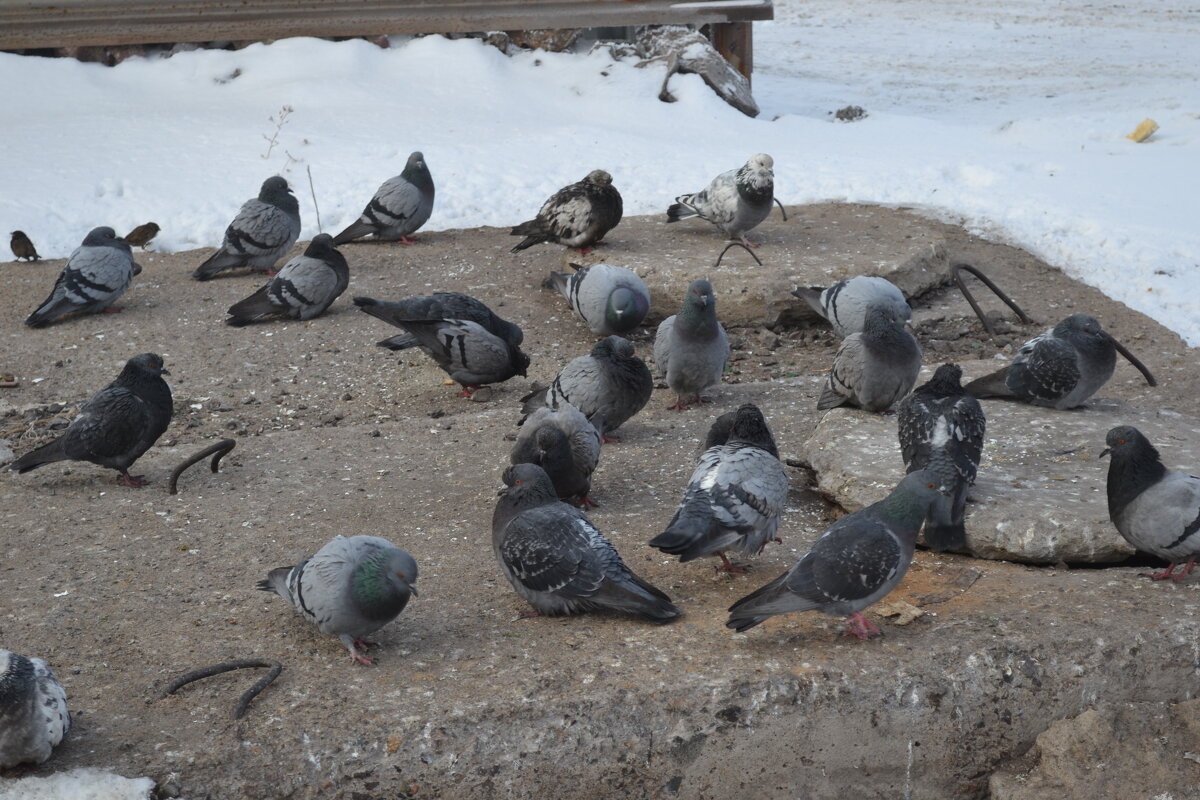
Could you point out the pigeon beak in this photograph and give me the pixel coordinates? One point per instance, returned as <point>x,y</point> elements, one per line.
<point>413,589</point>
<point>164,372</point>
<point>1107,450</point>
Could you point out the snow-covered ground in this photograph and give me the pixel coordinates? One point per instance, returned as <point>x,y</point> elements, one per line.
<point>1009,117</point>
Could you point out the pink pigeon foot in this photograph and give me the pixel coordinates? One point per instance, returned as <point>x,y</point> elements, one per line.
<point>588,502</point>
<point>406,240</point>
<point>529,613</point>
<point>861,627</point>
<point>132,481</point>
<point>728,566</point>
<point>467,391</point>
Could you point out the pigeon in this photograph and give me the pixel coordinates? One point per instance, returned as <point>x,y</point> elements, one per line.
<point>610,299</point>
<point>142,234</point>
<point>350,588</point>
<point>563,442</point>
<point>875,368</point>
<point>844,305</point>
<point>858,560</point>
<point>1061,368</point>
<point>22,247</point>
<point>734,499</point>
<point>736,201</point>
<point>439,305</point>
<point>466,351</point>
<point>577,215</point>
<point>722,427</point>
<point>558,560</point>
<point>610,382</point>
<point>120,423</point>
<point>33,710</point>
<point>303,289</point>
<point>1156,509</point>
<point>690,348</point>
<point>941,429</point>
<point>262,232</point>
<point>400,206</point>
<point>95,275</point>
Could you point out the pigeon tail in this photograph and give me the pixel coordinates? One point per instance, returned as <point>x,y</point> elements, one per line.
<point>812,296</point>
<point>534,232</point>
<point>830,399</point>
<point>944,530</point>
<point>217,262</point>
<point>356,230</point>
<point>777,597</point>
<point>768,601</point>
<point>401,341</point>
<point>276,581</point>
<point>693,532</point>
<point>46,454</point>
<point>253,308</point>
<point>635,596</point>
<point>49,311</point>
<point>534,400</point>
<point>558,282</point>
<point>679,211</point>
<point>993,385</point>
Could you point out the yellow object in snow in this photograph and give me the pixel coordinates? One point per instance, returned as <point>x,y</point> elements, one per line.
<point>1144,130</point>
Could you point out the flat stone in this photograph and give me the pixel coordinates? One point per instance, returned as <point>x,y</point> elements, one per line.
<point>748,294</point>
<point>1041,493</point>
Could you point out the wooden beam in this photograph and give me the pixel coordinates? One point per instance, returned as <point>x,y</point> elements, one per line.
<point>733,40</point>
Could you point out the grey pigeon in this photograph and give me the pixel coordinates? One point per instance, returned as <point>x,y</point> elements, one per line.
<point>875,368</point>
<point>941,429</point>
<point>466,351</point>
<point>610,299</point>
<point>857,561</point>
<point>262,232</point>
<point>33,710</point>
<point>610,384</point>
<point>563,442</point>
<point>736,201</point>
<point>1061,368</point>
<point>844,305</point>
<point>95,275</point>
<point>439,305</point>
<point>1156,509</point>
<point>400,206</point>
<point>690,348</point>
<point>22,247</point>
<point>303,289</point>
<point>120,423</point>
<point>577,215</point>
<point>558,560</point>
<point>734,499</point>
<point>350,588</point>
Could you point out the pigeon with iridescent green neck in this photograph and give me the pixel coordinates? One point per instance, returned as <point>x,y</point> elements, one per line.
<point>350,588</point>
<point>859,560</point>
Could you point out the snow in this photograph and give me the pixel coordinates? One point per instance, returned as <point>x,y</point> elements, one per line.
<point>1007,117</point>
<point>77,784</point>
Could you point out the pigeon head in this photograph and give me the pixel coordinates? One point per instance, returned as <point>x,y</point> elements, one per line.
<point>761,161</point>
<point>881,318</point>
<point>1125,440</point>
<point>1135,466</point>
<point>275,191</point>
<point>320,246</point>
<point>750,426</point>
<point>908,504</point>
<point>381,584</point>
<point>519,361</point>
<point>527,484</point>
<point>416,171</point>
<point>17,233</point>
<point>145,364</point>
<point>699,299</point>
<point>104,237</point>
<point>612,346</point>
<point>756,180</point>
<point>946,380</point>
<point>625,309</point>
<point>599,177</point>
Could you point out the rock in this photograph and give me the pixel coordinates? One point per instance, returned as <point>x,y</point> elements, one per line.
<point>1041,494</point>
<point>550,40</point>
<point>1126,750</point>
<point>850,114</point>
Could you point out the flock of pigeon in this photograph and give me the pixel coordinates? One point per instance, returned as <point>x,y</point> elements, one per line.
<point>547,547</point>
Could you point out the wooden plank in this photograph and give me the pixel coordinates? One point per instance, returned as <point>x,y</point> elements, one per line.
<point>733,40</point>
<point>38,23</point>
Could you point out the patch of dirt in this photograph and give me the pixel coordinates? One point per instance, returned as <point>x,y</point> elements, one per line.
<point>121,590</point>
